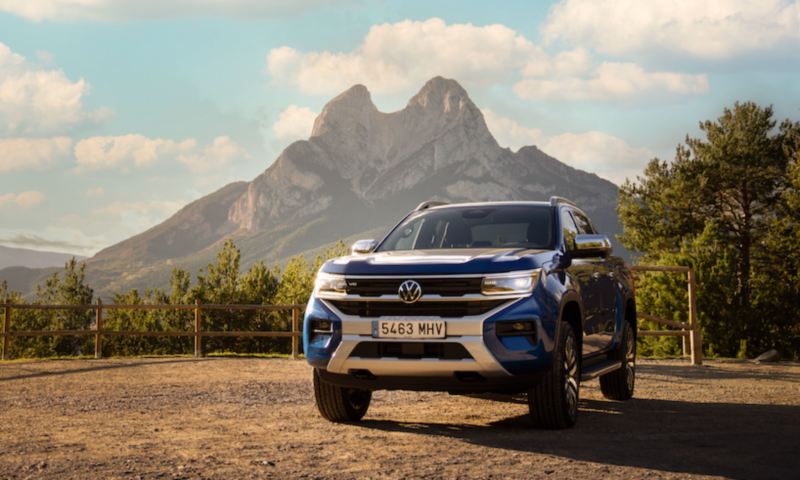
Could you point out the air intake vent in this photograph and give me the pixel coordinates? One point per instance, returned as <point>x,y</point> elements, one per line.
<point>411,350</point>
<point>446,287</point>
<point>366,308</point>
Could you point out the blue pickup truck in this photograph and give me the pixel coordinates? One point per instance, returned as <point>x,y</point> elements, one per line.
<point>501,297</point>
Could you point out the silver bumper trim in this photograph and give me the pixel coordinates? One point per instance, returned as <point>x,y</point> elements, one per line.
<point>467,331</point>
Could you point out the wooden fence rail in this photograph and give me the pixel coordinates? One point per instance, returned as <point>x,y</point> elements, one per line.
<point>197,332</point>
<point>690,329</point>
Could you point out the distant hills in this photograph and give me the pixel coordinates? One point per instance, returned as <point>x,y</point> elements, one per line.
<point>22,268</point>
<point>360,170</point>
<point>24,257</point>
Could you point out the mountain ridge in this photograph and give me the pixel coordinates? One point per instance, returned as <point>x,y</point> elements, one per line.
<point>30,258</point>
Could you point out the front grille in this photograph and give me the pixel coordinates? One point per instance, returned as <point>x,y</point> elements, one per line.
<point>366,308</point>
<point>411,350</point>
<point>446,287</point>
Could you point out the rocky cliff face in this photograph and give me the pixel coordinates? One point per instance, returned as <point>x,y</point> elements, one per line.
<point>360,170</point>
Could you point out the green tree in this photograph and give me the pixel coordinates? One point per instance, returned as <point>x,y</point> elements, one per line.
<point>180,282</point>
<point>219,282</point>
<point>259,285</point>
<point>297,281</point>
<point>713,208</point>
<point>67,287</point>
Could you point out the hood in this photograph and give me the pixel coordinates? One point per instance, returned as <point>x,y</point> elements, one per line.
<point>439,262</point>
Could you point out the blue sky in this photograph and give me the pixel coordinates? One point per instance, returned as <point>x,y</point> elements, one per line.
<point>114,114</point>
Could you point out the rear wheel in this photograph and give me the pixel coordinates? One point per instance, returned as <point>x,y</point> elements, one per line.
<point>618,385</point>
<point>553,402</point>
<point>340,404</point>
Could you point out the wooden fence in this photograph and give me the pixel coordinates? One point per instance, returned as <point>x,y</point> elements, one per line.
<point>198,333</point>
<point>689,330</point>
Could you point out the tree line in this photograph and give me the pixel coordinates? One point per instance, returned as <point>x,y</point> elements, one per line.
<point>221,282</point>
<point>727,205</point>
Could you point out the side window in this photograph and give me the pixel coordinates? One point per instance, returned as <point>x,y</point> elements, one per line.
<point>568,228</point>
<point>584,225</point>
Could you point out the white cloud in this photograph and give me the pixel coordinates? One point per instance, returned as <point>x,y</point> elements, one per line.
<point>27,199</point>
<point>509,133</point>
<point>214,157</point>
<point>294,123</point>
<point>105,10</point>
<point>32,153</point>
<point>95,192</point>
<point>209,164</point>
<point>608,156</point>
<point>611,81</point>
<point>395,57</point>
<point>398,57</point>
<point>129,150</point>
<point>711,29</point>
<point>36,101</point>
<point>52,237</point>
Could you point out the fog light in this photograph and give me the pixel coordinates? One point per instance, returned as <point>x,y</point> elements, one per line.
<point>322,326</point>
<point>515,328</point>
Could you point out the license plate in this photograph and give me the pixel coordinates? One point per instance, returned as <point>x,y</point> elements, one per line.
<point>410,329</point>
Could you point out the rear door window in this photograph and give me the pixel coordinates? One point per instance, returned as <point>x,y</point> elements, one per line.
<point>583,223</point>
<point>568,228</point>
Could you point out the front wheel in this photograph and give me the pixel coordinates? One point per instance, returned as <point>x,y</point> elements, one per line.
<point>618,385</point>
<point>340,404</point>
<point>553,402</point>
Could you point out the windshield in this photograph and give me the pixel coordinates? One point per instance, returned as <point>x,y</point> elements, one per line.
<point>501,226</point>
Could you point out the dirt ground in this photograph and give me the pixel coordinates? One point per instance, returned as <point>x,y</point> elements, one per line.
<point>255,418</point>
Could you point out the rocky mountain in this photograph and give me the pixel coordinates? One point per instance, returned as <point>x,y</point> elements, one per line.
<point>360,170</point>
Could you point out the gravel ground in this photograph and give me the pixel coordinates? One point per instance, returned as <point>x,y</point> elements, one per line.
<point>255,418</point>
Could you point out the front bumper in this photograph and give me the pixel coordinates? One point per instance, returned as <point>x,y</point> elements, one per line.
<point>491,363</point>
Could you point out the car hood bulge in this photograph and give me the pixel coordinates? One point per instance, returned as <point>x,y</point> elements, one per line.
<point>439,262</point>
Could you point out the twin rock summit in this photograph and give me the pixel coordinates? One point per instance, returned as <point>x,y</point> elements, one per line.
<point>360,170</point>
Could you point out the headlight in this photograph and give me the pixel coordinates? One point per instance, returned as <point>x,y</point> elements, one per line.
<point>510,284</point>
<point>330,283</point>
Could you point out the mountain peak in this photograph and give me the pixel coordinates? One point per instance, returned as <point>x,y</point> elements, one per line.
<point>440,92</point>
<point>356,94</point>
<point>355,103</point>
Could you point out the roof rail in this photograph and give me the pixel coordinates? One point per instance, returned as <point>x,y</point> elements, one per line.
<point>554,201</point>
<point>429,204</point>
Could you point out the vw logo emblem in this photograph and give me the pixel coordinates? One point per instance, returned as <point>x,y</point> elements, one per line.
<point>409,291</point>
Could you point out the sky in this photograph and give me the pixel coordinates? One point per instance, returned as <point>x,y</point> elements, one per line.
<point>114,114</point>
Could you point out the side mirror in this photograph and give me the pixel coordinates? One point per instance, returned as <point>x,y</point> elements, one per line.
<point>362,247</point>
<point>591,246</point>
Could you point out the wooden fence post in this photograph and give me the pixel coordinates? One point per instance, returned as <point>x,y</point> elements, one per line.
<point>98,326</point>
<point>684,350</point>
<point>6,328</point>
<point>198,345</point>
<point>295,339</point>
<point>695,341</point>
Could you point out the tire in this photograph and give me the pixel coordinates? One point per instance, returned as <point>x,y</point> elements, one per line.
<point>339,404</point>
<point>553,402</point>
<point>618,385</point>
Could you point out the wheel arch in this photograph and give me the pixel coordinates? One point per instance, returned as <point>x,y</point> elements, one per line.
<point>572,314</point>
